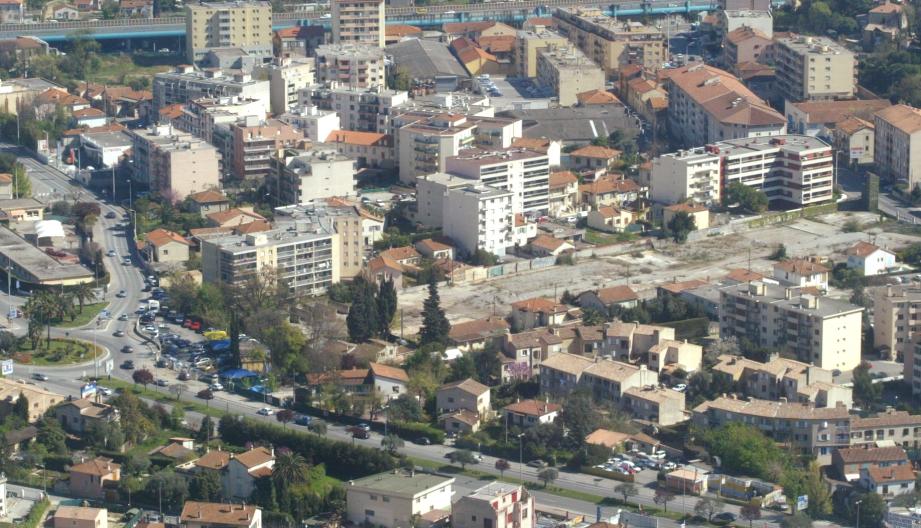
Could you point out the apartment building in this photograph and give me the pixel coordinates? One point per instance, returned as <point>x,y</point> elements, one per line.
<point>897,144</point>
<point>687,175</point>
<point>431,195</point>
<point>610,43</point>
<point>495,505</point>
<point>186,84</point>
<point>706,104</point>
<point>608,380</point>
<point>288,76</point>
<point>899,427</point>
<point>358,21</point>
<point>368,149</point>
<point>240,24</point>
<point>361,109</point>
<point>784,378</point>
<point>302,176</point>
<point>254,144</point>
<point>655,404</point>
<point>822,331</point>
<point>199,117</point>
<point>477,216</point>
<point>744,44</point>
<point>525,173</point>
<point>306,258</point>
<point>315,124</point>
<point>814,68</point>
<point>351,64</point>
<point>856,137</point>
<point>528,43</point>
<point>815,431</point>
<point>393,500</point>
<point>173,164</point>
<point>630,342</point>
<point>897,322</point>
<point>214,515</point>
<point>563,193</point>
<point>335,216</point>
<point>568,72</point>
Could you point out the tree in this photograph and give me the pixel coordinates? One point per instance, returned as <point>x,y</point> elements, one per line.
<point>22,184</point>
<point>405,408</point>
<point>285,416</point>
<point>205,430</point>
<point>748,198</point>
<point>872,510</point>
<point>392,443</point>
<point>626,490</point>
<point>866,392</point>
<point>52,436</point>
<point>548,475</point>
<point>363,320</point>
<point>487,364</point>
<point>681,224</point>
<point>21,408</point>
<point>169,487</point>
<point>502,466</point>
<point>579,417</point>
<point>663,497</point>
<point>82,293</point>
<point>462,368</point>
<point>797,520</point>
<point>136,464</point>
<point>706,508</point>
<point>386,305</point>
<point>742,449</point>
<point>318,427</point>
<point>463,457</point>
<point>435,325</point>
<point>143,376</point>
<point>751,513</point>
<point>205,486</point>
<point>290,469</point>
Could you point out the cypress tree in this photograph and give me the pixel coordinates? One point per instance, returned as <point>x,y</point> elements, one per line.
<point>435,325</point>
<point>362,321</point>
<point>386,305</point>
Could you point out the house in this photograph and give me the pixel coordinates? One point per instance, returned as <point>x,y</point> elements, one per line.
<point>79,416</point>
<point>175,451</point>
<point>380,351</point>
<point>888,482</point>
<point>610,219</point>
<point>19,439</point>
<point>166,246</point>
<point>869,259</point>
<point>671,356</point>
<point>40,400</point>
<point>699,213</point>
<point>782,378</point>
<point>88,479</point>
<point>234,217</point>
<point>213,515</point>
<point>849,461</point>
<point>801,273</point>
<point>593,157</point>
<point>471,336</point>
<point>608,380</point>
<point>548,246</point>
<point>382,268</point>
<point>611,190</point>
<point>80,517</point>
<point>207,202</point>
<point>395,499</point>
<point>611,439</point>
<point>6,186</point>
<point>89,117</point>
<point>434,250</point>
<point>47,102</point>
<point>605,299</point>
<point>406,255</point>
<point>238,480</point>
<point>529,413</point>
<point>525,351</point>
<point>21,210</point>
<point>539,311</point>
<point>467,394</point>
<point>389,381</point>
<point>495,505</point>
<point>655,405</point>
<point>687,481</point>
<point>564,193</point>
<point>254,356</point>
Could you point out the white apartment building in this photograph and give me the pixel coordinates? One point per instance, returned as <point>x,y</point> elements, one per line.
<point>687,175</point>
<point>392,500</point>
<point>200,116</point>
<point>316,124</point>
<point>173,164</point>
<point>479,217</point>
<point>822,331</point>
<point>240,24</point>
<point>185,84</point>
<point>525,173</point>
<point>360,21</point>
<point>432,194</point>
<point>288,76</point>
<point>897,143</point>
<point>302,176</point>
<point>903,516</point>
<point>897,323</point>
<point>355,65</point>
<point>706,104</point>
<point>361,109</point>
<point>814,68</point>
<point>495,505</point>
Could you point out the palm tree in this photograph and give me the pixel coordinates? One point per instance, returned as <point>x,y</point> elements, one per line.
<point>42,308</point>
<point>66,306</point>
<point>82,293</point>
<point>290,469</point>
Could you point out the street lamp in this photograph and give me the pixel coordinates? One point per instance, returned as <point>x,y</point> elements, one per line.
<point>521,458</point>
<point>858,513</point>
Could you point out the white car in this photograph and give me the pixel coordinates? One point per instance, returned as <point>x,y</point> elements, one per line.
<point>681,387</point>
<point>105,391</point>
<point>216,387</point>
<point>265,411</point>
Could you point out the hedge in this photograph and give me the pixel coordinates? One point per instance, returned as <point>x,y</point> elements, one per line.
<point>614,475</point>
<point>351,461</point>
<point>33,520</point>
<point>414,430</point>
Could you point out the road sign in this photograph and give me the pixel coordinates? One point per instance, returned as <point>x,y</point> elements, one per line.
<point>110,366</point>
<point>6,367</point>
<point>802,502</point>
<point>88,390</point>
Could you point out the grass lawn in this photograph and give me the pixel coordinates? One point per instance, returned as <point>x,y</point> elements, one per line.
<point>90,311</point>
<point>163,395</point>
<point>115,66</point>
<point>600,238</point>
<point>61,352</point>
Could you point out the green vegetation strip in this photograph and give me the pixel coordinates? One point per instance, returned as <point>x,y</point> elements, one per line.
<point>60,352</point>
<point>165,396</point>
<point>600,238</point>
<point>90,311</point>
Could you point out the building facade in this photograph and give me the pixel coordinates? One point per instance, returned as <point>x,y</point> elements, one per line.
<point>814,68</point>
<point>241,24</point>
<point>358,21</point>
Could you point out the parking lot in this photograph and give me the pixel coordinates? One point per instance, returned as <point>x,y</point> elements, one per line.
<point>516,92</point>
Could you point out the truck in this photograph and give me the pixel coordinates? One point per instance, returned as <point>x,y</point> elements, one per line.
<point>153,305</point>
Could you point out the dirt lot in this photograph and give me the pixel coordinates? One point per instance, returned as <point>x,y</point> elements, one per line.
<point>707,259</point>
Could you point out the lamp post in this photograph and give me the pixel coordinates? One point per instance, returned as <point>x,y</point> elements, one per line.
<point>521,458</point>
<point>857,523</point>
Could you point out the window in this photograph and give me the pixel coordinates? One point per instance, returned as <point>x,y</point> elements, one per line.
<point>369,513</point>
<point>374,497</point>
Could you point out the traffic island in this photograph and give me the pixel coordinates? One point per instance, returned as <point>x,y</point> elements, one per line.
<point>56,353</point>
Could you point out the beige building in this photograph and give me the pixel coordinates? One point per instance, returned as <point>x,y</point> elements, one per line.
<point>79,416</point>
<point>686,175</point>
<point>610,218</point>
<point>335,216</point>
<point>245,25</point>
<point>356,65</point>
<point>658,405</point>
<point>563,187</point>
<point>287,76</point>
<point>88,479</point>
<point>495,505</point>
<point>897,143</point>
<point>899,427</point>
<point>40,400</point>
<point>214,515</point>
<point>784,378</point>
<point>358,21</point>
<point>568,72</point>
<point>392,500</point>
<point>167,246</point>
<point>467,394</point>
<point>255,142</point>
<point>611,43</point>
<point>630,342</point>
<point>699,213</point>
<point>855,138</point>
<point>608,380</point>
<point>302,176</point>
<point>81,517</point>
<point>528,43</point>
<point>174,164</point>
<point>896,320</point>
<point>744,44</point>
<point>822,331</point>
<point>671,356</point>
<point>814,68</point>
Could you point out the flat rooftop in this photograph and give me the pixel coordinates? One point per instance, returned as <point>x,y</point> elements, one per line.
<point>292,234</point>
<point>776,295</point>
<point>351,50</point>
<point>401,483</point>
<point>114,139</point>
<point>34,261</point>
<point>493,490</point>
<point>478,156</point>
<point>791,143</point>
<point>804,45</point>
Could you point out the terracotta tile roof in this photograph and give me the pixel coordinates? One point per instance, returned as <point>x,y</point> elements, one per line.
<point>161,237</point>
<point>386,371</point>
<point>99,466</point>
<point>264,471</point>
<point>612,370</point>
<point>616,294</point>
<point>678,287</point>
<point>383,261</point>
<point>433,245</point>
<point>744,33</point>
<point>213,460</point>
<point>801,266</point>
<point>400,254</point>
<point>562,179</point>
<point>352,137</point>
<point>686,207</point>
<point>208,197</point>
<point>474,53</point>
<point>343,377</point>
<point>77,513</point>
<point>498,43</point>
<point>255,457</point>
<point>607,184</point>
<point>886,9</point>
<point>744,275</point>
<point>176,451</point>
<point>567,363</point>
<point>547,242</point>
<point>6,178</point>
<point>630,70</point>
<point>401,30</point>
<point>520,220</point>
<point>900,473</point>
<point>468,385</point>
<point>60,97</point>
<point>539,304</point>
<point>773,410</point>
<point>127,93</point>
<point>88,112</point>
<point>829,112</point>
<point>888,419</point>
<point>749,69</point>
<point>853,124</point>
<point>533,408</point>
<point>222,217</point>
<point>723,96</point>
<point>861,249</point>
<point>536,144</point>
<point>609,211</point>
<point>172,111</point>
<point>478,329</point>
<point>463,415</point>
<point>538,21</point>
<point>593,151</point>
<point>606,438</point>
<point>593,97</point>
<point>209,513</point>
<point>872,455</point>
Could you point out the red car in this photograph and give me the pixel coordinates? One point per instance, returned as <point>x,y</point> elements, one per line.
<point>196,326</point>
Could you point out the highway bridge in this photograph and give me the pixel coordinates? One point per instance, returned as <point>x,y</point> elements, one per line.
<point>429,16</point>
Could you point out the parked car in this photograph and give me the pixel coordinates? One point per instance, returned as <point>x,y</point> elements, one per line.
<point>361,435</point>
<point>121,294</point>
<point>119,333</point>
<point>537,463</point>
<point>723,518</point>
<point>216,386</point>
<point>302,419</point>
<point>364,427</point>
<point>681,387</point>
<point>128,364</point>
<point>40,377</point>
<point>123,317</point>
<point>110,215</point>
<point>105,391</point>
<point>111,253</point>
<point>162,382</point>
<point>265,411</point>
<point>423,440</point>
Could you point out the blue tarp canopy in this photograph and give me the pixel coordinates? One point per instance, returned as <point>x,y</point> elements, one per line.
<point>235,374</point>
